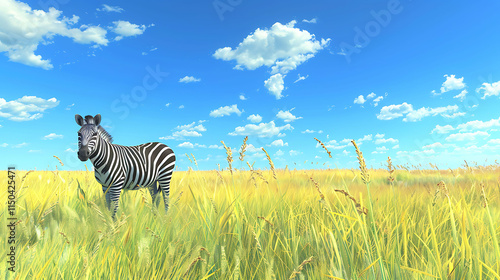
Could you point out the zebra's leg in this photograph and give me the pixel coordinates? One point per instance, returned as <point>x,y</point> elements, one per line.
<point>164,181</point>
<point>153,190</point>
<point>112,194</point>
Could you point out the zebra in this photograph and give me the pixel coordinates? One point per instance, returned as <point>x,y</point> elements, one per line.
<point>120,168</point>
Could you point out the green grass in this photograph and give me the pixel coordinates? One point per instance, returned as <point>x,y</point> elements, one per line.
<point>261,228</point>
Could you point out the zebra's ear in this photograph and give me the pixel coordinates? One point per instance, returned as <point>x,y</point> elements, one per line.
<point>97,119</point>
<point>79,120</point>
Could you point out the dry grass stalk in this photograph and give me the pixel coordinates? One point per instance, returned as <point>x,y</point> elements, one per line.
<point>270,163</point>
<point>317,187</point>
<point>243,148</point>
<point>65,237</point>
<point>262,218</point>
<point>196,260</point>
<point>153,233</point>
<point>189,158</point>
<point>249,166</point>
<point>483,196</point>
<point>25,175</point>
<point>324,147</point>
<point>359,208</point>
<point>442,185</point>
<point>299,268</point>
<point>60,161</point>
<point>229,156</point>
<point>255,172</point>
<point>362,165</point>
<point>391,170</point>
<point>195,162</point>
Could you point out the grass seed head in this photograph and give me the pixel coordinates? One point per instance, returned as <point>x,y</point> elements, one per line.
<point>365,176</point>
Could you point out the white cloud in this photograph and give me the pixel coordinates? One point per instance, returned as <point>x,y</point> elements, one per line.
<point>126,29</point>
<point>109,9</point>
<point>417,115</point>
<point>52,136</point>
<point>301,78</point>
<point>20,145</point>
<point>215,147</point>
<point>283,47</point>
<point>488,89</point>
<point>252,149</point>
<point>378,135</point>
<point>442,129</point>
<point>466,136</point>
<point>189,79</point>
<point>377,100</point>
<point>461,95</point>
<point>275,85</point>
<point>261,130</point>
<point>494,141</point>
<point>451,83</point>
<point>3,145</point>
<point>242,97</point>
<point>192,126</point>
<point>69,150</point>
<point>383,141</point>
<point>22,29</point>
<point>225,111</point>
<point>365,138</point>
<point>286,116</point>
<point>255,118</point>
<point>186,145</point>
<point>279,153</point>
<point>479,125</point>
<point>69,107</point>
<point>359,100</point>
<point>181,107</point>
<point>396,111</point>
<point>26,108</point>
<point>314,20</point>
<point>278,143</point>
<point>294,153</point>
<point>395,147</point>
<point>312,131</point>
<point>454,115</point>
<point>168,104</point>
<point>436,145</point>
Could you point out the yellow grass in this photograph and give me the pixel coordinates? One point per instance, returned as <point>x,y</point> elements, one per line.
<point>224,225</point>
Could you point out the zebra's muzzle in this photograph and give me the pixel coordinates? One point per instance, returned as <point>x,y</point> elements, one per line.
<point>83,153</point>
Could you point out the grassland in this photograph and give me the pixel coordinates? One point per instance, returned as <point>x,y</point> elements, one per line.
<point>313,224</point>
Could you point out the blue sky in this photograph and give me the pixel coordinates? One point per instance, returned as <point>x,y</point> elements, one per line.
<point>417,81</point>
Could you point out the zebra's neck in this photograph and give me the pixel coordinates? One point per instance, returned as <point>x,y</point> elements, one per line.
<point>101,151</point>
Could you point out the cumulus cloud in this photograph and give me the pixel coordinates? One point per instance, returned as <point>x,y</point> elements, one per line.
<point>488,89</point>
<point>314,20</point>
<point>189,79</point>
<point>287,116</point>
<point>22,29</point>
<point>242,97</point>
<point>461,95</point>
<point>359,100</point>
<point>396,111</point>
<point>467,136</point>
<point>301,78</point>
<point>261,130</point>
<point>384,141</point>
<point>124,28</point>
<point>52,136</point>
<point>312,131</point>
<point>442,129</point>
<point>255,118</point>
<point>186,131</point>
<point>110,9</point>
<point>225,111</point>
<point>278,143</point>
<point>192,126</point>
<point>479,125</point>
<point>26,108</point>
<point>282,48</point>
<point>275,85</point>
<point>451,83</point>
<point>375,100</point>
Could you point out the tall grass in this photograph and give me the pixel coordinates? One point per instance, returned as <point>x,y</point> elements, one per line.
<point>322,224</point>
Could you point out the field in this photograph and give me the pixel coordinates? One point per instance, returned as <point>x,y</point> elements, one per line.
<point>262,224</point>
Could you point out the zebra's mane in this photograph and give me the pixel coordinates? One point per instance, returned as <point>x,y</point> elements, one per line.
<point>104,134</point>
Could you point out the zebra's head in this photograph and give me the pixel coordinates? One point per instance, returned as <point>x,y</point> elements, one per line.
<point>87,135</point>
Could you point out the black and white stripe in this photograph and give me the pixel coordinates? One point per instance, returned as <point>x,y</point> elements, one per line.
<point>119,167</point>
